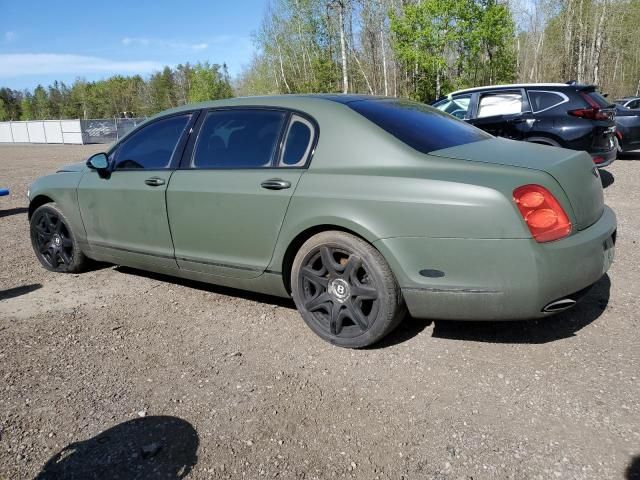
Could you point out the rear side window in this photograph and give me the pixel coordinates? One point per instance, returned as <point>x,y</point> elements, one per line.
<point>500,103</point>
<point>238,138</point>
<point>542,100</point>
<point>457,106</point>
<point>421,127</point>
<point>297,145</point>
<point>151,147</point>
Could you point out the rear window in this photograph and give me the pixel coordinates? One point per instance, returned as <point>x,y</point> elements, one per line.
<point>599,99</point>
<point>419,126</point>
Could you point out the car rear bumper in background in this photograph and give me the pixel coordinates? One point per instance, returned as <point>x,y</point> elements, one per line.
<point>489,279</point>
<point>604,159</point>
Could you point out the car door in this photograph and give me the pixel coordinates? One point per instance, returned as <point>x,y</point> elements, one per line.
<point>503,113</point>
<point>124,211</point>
<point>458,106</point>
<point>227,202</point>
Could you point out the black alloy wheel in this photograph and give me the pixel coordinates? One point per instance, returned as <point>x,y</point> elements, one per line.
<point>345,290</point>
<point>53,241</point>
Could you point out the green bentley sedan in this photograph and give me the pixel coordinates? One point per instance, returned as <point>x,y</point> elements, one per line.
<point>360,208</point>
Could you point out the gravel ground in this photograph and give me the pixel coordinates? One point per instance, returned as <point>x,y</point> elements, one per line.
<point>120,372</point>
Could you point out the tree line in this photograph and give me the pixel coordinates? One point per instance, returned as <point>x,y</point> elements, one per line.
<point>421,49</point>
<point>426,48</point>
<point>118,95</point>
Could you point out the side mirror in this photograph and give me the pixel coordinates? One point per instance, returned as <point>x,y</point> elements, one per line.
<point>99,161</point>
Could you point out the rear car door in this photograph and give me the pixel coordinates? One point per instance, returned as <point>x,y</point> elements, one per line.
<point>503,113</point>
<point>124,212</point>
<point>227,202</point>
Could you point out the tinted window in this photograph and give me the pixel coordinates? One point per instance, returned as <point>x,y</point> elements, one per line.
<point>419,126</point>
<point>599,99</point>
<point>151,147</point>
<point>541,101</point>
<point>457,106</point>
<point>238,139</point>
<point>297,144</point>
<point>634,104</point>
<point>501,103</point>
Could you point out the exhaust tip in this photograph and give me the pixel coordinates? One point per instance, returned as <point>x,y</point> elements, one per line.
<point>559,305</point>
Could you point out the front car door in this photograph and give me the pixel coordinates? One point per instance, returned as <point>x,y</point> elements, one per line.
<point>457,105</point>
<point>227,202</point>
<point>124,212</point>
<point>503,113</point>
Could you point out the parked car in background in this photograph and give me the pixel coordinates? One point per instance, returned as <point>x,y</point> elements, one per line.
<point>358,207</point>
<point>629,102</point>
<point>558,114</point>
<point>627,128</point>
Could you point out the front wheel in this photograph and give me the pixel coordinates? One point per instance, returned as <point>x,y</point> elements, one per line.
<point>53,242</point>
<point>345,291</point>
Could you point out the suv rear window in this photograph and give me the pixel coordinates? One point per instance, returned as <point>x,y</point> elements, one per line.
<point>421,127</point>
<point>599,99</point>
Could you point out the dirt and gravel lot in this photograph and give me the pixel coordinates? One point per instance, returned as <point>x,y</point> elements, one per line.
<point>123,373</point>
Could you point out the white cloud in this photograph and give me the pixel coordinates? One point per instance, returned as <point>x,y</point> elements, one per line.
<point>135,41</point>
<point>146,42</point>
<point>15,65</point>
<point>9,36</point>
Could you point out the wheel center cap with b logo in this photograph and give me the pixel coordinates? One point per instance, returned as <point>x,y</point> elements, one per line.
<point>339,289</point>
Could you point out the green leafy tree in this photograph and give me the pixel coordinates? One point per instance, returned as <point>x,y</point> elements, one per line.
<point>26,107</point>
<point>4,111</point>
<point>209,82</point>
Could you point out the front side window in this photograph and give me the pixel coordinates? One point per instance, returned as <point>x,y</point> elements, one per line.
<point>297,143</point>
<point>500,103</point>
<point>152,147</point>
<point>541,100</point>
<point>423,128</point>
<point>457,106</point>
<point>237,138</point>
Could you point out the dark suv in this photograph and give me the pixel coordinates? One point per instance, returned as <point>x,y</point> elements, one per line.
<point>558,114</point>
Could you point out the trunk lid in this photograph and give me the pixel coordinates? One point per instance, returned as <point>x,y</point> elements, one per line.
<point>573,170</point>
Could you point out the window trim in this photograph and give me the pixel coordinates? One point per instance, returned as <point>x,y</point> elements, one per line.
<point>189,151</point>
<point>177,152</point>
<point>293,118</point>
<point>565,99</point>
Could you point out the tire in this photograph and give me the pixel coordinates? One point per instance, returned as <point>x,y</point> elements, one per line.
<point>53,241</point>
<point>345,290</point>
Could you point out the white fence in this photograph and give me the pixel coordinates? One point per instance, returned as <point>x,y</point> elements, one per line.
<point>41,131</point>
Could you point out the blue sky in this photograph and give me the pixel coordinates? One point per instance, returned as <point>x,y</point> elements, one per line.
<point>41,41</point>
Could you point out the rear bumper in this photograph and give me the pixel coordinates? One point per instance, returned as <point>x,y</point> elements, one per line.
<point>604,159</point>
<point>490,279</point>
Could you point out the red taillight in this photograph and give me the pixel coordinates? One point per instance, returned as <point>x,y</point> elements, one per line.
<point>591,113</point>
<point>598,160</point>
<point>542,213</point>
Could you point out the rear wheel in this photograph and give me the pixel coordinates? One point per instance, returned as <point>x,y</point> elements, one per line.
<point>345,291</point>
<point>53,242</point>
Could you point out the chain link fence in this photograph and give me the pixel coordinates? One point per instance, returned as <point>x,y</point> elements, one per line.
<point>107,130</point>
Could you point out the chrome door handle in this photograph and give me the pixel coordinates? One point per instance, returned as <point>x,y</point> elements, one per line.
<point>154,181</point>
<point>275,184</point>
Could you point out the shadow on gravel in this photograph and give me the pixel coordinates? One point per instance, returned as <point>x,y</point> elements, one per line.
<point>151,447</point>
<point>606,178</point>
<point>633,470</point>
<point>208,287</point>
<point>17,291</point>
<point>13,211</point>
<point>545,330</point>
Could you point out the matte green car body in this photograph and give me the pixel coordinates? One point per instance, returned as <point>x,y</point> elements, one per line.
<point>449,213</point>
